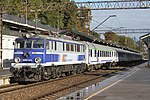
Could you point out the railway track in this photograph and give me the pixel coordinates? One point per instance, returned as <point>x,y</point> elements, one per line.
<point>6,87</point>
<point>53,89</point>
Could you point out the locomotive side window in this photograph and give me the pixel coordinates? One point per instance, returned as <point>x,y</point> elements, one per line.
<point>55,45</point>
<point>19,44</point>
<point>47,45</point>
<point>52,45</point>
<point>63,46</point>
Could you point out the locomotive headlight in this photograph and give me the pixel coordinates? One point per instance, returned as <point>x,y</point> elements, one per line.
<point>17,60</point>
<point>37,60</point>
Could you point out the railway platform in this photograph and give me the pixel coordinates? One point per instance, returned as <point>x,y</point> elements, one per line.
<point>4,76</point>
<point>130,85</point>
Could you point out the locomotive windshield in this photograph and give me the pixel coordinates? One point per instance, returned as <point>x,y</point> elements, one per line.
<point>21,43</point>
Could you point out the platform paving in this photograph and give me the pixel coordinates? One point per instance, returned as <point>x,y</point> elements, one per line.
<point>133,84</point>
<point>4,72</point>
<point>134,87</point>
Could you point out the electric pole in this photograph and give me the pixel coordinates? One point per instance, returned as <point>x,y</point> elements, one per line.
<point>1,26</point>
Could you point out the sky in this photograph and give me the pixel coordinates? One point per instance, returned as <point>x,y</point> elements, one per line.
<point>127,19</point>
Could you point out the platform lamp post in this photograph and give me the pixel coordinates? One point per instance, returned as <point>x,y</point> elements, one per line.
<point>1,26</point>
<point>26,11</point>
<point>36,18</point>
<point>146,40</point>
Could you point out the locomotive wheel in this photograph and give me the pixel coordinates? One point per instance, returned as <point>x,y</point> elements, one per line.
<point>89,69</point>
<point>79,70</point>
<point>67,73</point>
<point>74,70</point>
<point>58,72</point>
<point>53,75</point>
<point>36,77</point>
<point>46,74</point>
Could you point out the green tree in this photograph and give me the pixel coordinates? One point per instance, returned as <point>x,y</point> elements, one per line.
<point>110,36</point>
<point>56,13</point>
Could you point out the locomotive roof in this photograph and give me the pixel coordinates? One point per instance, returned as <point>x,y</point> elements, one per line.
<point>64,38</point>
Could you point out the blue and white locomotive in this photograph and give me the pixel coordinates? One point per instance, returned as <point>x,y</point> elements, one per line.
<point>42,57</point>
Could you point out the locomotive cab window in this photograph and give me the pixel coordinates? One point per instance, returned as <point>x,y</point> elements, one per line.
<point>19,44</point>
<point>28,44</point>
<point>38,44</point>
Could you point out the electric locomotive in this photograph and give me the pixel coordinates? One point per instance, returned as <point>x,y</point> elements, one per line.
<point>41,57</point>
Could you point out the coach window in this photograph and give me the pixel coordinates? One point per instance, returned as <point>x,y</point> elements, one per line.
<point>75,48</point>
<point>78,48</point>
<point>67,47</point>
<point>107,53</point>
<point>91,52</point>
<point>95,53</point>
<point>72,47</point>
<point>81,48</point>
<point>103,54</point>
<point>114,54</point>
<point>98,53</point>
